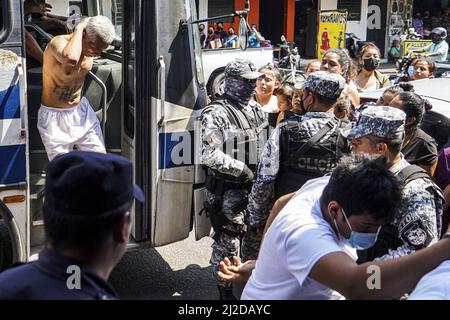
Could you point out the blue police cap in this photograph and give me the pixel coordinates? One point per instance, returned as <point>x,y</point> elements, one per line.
<point>90,184</point>
<point>381,121</point>
<point>326,84</point>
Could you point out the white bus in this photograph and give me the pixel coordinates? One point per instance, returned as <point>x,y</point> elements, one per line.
<point>147,89</point>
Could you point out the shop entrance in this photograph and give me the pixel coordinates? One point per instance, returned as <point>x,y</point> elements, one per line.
<point>306,27</point>
<point>376,23</point>
<point>271,23</point>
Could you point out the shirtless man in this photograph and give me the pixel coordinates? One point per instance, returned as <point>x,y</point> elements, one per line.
<point>65,118</point>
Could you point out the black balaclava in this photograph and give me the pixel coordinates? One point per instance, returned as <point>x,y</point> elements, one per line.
<point>239,90</point>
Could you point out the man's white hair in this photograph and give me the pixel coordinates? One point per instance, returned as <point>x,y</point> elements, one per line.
<point>102,28</point>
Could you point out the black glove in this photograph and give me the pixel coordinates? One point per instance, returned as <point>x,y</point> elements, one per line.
<point>247,175</point>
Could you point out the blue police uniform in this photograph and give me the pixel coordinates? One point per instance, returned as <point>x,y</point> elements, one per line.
<point>48,278</point>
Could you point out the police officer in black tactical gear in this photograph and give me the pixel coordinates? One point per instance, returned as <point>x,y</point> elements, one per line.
<point>233,131</point>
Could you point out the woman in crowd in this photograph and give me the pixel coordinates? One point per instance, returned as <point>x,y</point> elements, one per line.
<point>390,93</point>
<point>265,87</point>
<point>394,52</point>
<point>418,147</point>
<point>369,78</point>
<point>212,41</point>
<point>231,41</point>
<point>338,61</point>
<point>422,68</point>
<point>313,66</point>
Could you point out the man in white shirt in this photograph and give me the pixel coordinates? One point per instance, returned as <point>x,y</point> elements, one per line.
<point>434,285</point>
<point>315,225</point>
<point>309,250</point>
<point>438,50</point>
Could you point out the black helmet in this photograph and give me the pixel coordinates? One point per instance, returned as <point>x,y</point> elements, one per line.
<point>441,32</point>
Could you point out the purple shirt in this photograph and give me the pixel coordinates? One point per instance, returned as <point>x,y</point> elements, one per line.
<point>442,176</point>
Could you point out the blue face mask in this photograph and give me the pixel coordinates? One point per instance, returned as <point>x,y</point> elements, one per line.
<point>410,71</point>
<point>358,240</point>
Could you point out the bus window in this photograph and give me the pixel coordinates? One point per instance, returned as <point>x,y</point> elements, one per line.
<point>129,65</point>
<point>5,23</point>
<point>113,9</point>
<point>197,47</point>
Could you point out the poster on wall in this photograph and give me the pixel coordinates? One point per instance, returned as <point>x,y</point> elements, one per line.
<point>411,45</point>
<point>332,28</point>
<point>400,18</point>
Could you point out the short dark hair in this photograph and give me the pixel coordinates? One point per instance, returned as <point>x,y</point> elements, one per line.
<point>343,105</point>
<point>399,88</point>
<point>323,100</point>
<point>394,146</point>
<point>285,90</point>
<point>274,70</point>
<point>413,105</point>
<point>364,184</point>
<point>87,233</point>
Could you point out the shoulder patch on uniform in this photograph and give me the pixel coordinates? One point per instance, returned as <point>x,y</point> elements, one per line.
<point>415,235</point>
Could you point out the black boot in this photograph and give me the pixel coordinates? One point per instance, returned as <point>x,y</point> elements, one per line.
<point>226,293</point>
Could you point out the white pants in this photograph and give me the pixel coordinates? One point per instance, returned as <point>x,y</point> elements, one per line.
<point>63,129</point>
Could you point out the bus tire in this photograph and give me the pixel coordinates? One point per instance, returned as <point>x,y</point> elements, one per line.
<point>6,248</point>
<point>215,86</point>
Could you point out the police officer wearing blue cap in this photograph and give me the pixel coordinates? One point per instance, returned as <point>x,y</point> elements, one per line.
<point>380,130</point>
<point>87,221</point>
<point>296,152</point>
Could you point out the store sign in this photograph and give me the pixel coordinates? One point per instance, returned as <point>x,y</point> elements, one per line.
<point>374,17</point>
<point>332,28</point>
<point>410,45</point>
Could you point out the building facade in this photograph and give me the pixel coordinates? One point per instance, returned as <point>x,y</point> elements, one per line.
<point>272,18</point>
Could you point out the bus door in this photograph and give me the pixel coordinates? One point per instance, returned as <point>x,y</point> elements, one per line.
<point>163,96</point>
<point>14,193</point>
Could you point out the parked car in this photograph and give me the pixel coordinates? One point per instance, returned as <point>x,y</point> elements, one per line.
<point>442,69</point>
<point>436,122</point>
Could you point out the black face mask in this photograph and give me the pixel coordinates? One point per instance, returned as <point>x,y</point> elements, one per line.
<point>230,33</point>
<point>371,64</point>
<point>302,105</point>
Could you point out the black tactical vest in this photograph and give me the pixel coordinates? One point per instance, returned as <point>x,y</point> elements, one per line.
<point>247,146</point>
<point>302,160</point>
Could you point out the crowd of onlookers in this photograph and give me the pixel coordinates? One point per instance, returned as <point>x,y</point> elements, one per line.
<point>424,22</point>
<point>422,27</point>
<point>285,102</point>
<point>219,38</point>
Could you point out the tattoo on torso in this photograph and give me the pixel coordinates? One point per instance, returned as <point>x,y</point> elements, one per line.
<point>65,94</point>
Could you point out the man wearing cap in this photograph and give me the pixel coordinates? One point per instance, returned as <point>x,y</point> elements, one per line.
<point>381,131</point>
<point>232,134</point>
<point>87,222</point>
<point>296,152</point>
